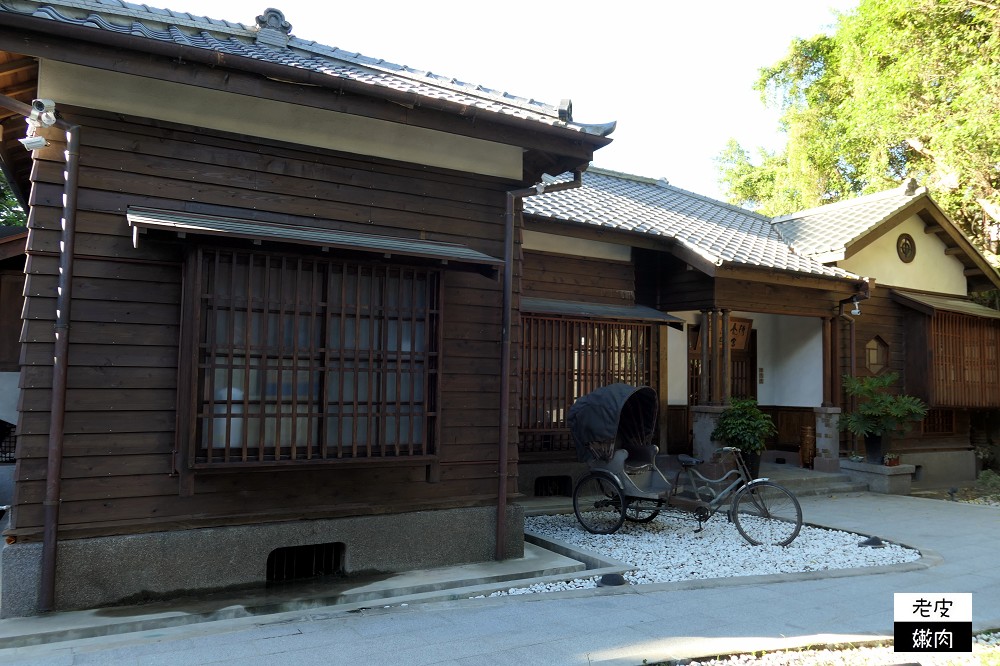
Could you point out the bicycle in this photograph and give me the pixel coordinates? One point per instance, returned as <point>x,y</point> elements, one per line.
<point>624,483</point>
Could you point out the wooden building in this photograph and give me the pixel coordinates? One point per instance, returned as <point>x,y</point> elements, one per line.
<point>780,293</point>
<point>919,321</point>
<point>267,271</point>
<point>723,272</point>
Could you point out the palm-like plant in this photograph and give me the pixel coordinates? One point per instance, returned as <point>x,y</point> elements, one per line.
<point>879,411</point>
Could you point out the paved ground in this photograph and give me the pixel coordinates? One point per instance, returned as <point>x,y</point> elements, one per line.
<point>606,626</point>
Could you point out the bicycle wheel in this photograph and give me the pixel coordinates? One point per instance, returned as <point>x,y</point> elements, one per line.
<point>767,514</point>
<point>598,504</point>
<point>641,510</point>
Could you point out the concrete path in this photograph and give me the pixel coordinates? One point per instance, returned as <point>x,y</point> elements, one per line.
<point>606,626</point>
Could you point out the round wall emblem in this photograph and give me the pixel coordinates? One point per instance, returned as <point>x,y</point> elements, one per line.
<point>906,248</point>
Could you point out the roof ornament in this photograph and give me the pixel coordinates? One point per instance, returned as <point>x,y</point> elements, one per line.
<point>273,29</point>
<point>911,187</point>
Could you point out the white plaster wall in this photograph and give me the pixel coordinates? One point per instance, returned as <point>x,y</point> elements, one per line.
<point>677,364</point>
<point>203,107</point>
<point>579,247</point>
<point>930,270</point>
<point>8,396</point>
<point>790,352</point>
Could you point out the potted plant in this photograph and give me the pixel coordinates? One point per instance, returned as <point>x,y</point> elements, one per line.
<point>890,459</point>
<point>743,425</point>
<point>879,412</point>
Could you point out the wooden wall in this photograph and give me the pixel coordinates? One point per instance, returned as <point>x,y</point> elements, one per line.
<point>907,353</point>
<point>567,278</point>
<point>122,395</point>
<point>11,304</point>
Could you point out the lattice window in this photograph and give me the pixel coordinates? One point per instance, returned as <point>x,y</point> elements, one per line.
<point>966,367</point>
<point>876,355</point>
<point>563,359</point>
<point>939,422</point>
<point>8,442</point>
<point>303,359</point>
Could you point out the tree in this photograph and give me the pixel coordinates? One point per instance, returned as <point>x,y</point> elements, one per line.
<point>11,213</point>
<point>901,89</point>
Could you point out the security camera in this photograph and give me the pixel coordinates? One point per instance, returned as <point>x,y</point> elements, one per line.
<point>43,105</point>
<point>857,310</point>
<point>33,142</point>
<point>43,112</point>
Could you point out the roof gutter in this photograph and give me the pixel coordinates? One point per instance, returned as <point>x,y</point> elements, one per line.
<point>57,414</point>
<point>513,198</point>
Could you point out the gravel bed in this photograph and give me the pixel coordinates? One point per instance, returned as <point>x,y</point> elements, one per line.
<point>668,549</point>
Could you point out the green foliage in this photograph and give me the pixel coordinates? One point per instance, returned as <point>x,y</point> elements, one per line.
<point>879,411</point>
<point>901,89</point>
<point>11,214</point>
<point>989,483</point>
<point>744,425</point>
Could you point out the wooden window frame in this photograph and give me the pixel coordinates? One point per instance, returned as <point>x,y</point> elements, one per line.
<point>564,358</point>
<point>938,421</point>
<point>355,381</point>
<point>881,352</point>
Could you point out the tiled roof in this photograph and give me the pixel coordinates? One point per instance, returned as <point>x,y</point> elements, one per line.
<point>829,230</point>
<point>236,39</point>
<point>719,232</point>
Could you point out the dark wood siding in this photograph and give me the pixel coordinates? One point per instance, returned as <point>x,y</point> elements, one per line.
<point>126,314</point>
<point>906,334</point>
<point>578,278</point>
<point>11,304</point>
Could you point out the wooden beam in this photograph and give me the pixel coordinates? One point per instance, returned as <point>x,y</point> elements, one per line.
<point>934,229</point>
<point>973,272</point>
<point>953,250</point>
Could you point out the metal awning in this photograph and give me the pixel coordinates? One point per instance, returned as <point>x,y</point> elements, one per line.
<point>452,254</point>
<point>598,311</point>
<point>930,303</point>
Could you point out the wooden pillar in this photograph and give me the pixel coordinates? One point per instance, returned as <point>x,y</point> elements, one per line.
<point>663,382</point>
<point>725,361</point>
<point>706,323</point>
<point>718,335</point>
<point>828,360</point>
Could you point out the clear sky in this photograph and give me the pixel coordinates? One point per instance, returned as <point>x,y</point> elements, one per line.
<point>677,76</point>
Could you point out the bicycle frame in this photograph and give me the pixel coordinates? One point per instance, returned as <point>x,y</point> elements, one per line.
<point>696,480</point>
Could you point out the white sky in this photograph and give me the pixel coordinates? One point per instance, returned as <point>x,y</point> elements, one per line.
<point>677,76</point>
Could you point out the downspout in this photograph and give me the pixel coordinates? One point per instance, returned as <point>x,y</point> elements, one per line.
<point>513,196</point>
<point>863,294</point>
<point>53,476</point>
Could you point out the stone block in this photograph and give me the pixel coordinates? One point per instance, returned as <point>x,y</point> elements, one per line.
<point>880,478</point>
<point>830,465</point>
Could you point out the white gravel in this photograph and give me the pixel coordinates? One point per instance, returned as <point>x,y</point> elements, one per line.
<point>668,549</point>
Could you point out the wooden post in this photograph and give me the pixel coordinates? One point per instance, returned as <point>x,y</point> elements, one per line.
<point>828,360</point>
<point>703,397</point>
<point>725,363</point>
<point>663,383</point>
<point>718,337</point>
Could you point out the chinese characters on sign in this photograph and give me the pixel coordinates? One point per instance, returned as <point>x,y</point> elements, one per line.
<point>932,622</point>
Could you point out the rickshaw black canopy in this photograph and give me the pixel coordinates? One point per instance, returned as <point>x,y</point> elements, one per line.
<point>614,416</point>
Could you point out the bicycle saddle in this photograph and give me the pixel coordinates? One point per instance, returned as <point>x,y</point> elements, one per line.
<point>687,461</point>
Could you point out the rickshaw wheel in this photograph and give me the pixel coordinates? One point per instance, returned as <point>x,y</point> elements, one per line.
<point>599,504</point>
<point>642,510</point>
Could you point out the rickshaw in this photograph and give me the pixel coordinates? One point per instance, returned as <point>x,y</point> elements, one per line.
<point>612,430</point>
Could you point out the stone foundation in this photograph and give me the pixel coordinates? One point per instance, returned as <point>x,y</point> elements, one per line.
<point>880,478</point>
<point>102,571</point>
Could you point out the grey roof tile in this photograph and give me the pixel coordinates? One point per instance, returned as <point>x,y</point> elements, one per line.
<point>830,229</point>
<point>240,40</point>
<point>717,231</point>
